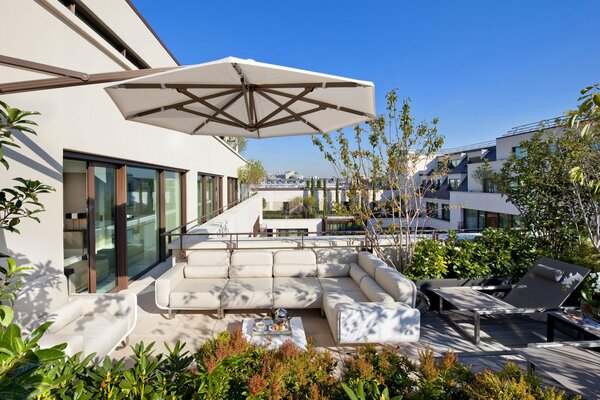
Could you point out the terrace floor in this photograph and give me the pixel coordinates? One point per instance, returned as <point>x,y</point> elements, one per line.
<point>498,334</point>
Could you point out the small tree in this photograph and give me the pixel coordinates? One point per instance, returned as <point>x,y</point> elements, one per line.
<point>252,174</point>
<point>337,190</point>
<point>485,175</point>
<point>399,148</point>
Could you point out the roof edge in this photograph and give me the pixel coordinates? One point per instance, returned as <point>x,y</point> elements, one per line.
<point>141,17</point>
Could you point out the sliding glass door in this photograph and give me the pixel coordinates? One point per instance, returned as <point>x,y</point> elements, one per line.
<point>105,201</point>
<point>142,220</point>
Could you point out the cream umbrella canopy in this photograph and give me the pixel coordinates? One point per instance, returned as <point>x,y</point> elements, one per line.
<point>244,98</point>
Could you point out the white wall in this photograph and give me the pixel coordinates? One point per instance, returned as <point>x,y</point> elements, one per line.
<point>84,119</point>
<point>493,202</point>
<point>312,224</point>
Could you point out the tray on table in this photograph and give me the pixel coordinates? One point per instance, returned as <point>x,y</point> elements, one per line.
<point>268,332</point>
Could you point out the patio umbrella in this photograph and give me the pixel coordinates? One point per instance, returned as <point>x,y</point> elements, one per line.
<point>244,98</point>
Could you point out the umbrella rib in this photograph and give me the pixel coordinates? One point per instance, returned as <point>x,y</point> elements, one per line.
<point>320,103</point>
<point>290,118</point>
<point>285,105</point>
<point>211,118</point>
<point>295,115</point>
<point>240,73</point>
<point>179,104</point>
<point>216,109</point>
<point>225,107</point>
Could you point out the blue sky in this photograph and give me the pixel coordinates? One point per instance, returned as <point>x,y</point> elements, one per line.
<point>481,67</point>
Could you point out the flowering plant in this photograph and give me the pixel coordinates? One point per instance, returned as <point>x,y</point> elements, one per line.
<point>590,291</point>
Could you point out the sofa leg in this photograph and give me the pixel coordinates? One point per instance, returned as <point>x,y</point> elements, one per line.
<point>220,313</point>
<point>171,316</point>
<point>322,313</point>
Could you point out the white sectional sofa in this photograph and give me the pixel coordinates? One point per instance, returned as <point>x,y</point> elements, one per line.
<point>364,300</point>
<point>87,323</point>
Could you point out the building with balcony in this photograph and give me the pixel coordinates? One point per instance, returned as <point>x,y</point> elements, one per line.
<point>458,199</point>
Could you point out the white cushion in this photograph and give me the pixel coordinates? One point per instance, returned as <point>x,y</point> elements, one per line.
<point>374,292</point>
<point>336,256</point>
<point>251,264</point>
<point>297,293</point>
<point>248,293</point>
<point>252,257</point>
<point>198,294</point>
<point>208,258</point>
<point>294,270</point>
<point>397,285</point>
<point>357,273</point>
<point>369,263</point>
<point>305,257</point>
<point>331,300</point>
<point>199,272</point>
<point>101,333</point>
<point>39,298</point>
<point>64,315</point>
<point>251,271</point>
<point>332,270</point>
<point>338,285</point>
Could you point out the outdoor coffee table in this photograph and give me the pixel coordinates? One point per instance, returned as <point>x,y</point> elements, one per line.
<point>275,339</point>
<point>586,329</point>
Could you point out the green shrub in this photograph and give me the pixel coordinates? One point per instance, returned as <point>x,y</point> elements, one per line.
<point>496,252</point>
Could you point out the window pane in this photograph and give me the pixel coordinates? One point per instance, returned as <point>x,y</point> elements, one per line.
<point>104,215</point>
<point>209,197</point>
<point>470,217</point>
<point>172,200</point>
<point>142,220</point>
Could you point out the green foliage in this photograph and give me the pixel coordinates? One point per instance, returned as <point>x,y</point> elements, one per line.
<point>496,252</point>
<point>372,374</point>
<point>252,174</point>
<point>20,201</point>
<point>384,154</point>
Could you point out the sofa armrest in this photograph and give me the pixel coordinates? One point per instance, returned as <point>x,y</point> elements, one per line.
<point>373,322</point>
<point>166,282</point>
<point>110,304</point>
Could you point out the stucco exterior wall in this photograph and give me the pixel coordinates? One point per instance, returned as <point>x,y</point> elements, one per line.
<point>84,119</point>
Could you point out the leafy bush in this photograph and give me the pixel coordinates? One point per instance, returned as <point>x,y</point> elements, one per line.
<point>373,374</point>
<point>496,252</point>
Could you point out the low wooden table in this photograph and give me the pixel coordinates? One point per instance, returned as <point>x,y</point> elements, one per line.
<point>274,340</point>
<point>570,321</point>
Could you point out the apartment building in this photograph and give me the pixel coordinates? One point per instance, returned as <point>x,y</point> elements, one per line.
<point>119,184</point>
<point>459,200</point>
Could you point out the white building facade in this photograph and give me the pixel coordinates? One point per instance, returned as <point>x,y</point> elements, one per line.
<point>119,184</point>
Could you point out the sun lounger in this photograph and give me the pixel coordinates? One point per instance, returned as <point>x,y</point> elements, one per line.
<point>544,287</point>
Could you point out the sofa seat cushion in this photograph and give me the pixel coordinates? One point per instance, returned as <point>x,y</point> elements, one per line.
<point>338,285</point>
<point>198,294</point>
<point>331,300</point>
<point>248,293</point>
<point>333,270</point>
<point>297,292</point>
<point>374,292</point>
<point>205,272</point>
<point>101,333</point>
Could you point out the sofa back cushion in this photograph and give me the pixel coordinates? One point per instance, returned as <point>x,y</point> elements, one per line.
<point>357,273</point>
<point>39,298</point>
<point>205,272</point>
<point>374,292</point>
<point>336,256</point>
<point>333,270</point>
<point>64,315</point>
<point>294,263</point>
<point>397,285</point>
<point>251,264</point>
<point>370,263</point>
<point>208,258</point>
